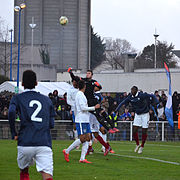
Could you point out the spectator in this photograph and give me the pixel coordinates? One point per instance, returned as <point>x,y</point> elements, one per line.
<point>126,116</point>
<point>105,104</point>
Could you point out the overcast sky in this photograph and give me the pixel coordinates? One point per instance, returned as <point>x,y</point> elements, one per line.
<point>133,20</point>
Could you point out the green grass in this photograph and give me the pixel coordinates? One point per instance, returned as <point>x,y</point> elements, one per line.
<point>125,164</point>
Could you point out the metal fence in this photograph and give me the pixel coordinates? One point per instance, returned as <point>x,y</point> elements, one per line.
<point>63,130</point>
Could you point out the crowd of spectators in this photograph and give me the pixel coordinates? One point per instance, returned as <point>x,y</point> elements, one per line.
<point>109,103</point>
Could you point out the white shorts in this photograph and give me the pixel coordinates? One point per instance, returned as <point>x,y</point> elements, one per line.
<point>94,124</point>
<point>141,120</point>
<point>41,155</point>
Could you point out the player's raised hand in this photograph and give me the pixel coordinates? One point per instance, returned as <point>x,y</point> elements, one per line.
<point>69,70</point>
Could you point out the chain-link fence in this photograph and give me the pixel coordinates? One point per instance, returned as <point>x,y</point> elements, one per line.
<point>63,130</point>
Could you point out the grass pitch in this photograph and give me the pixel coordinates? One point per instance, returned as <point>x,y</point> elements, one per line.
<point>160,160</point>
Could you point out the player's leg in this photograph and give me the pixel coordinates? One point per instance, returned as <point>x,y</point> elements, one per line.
<point>85,146</point>
<point>136,138</point>
<point>24,174</point>
<point>102,133</point>
<point>25,159</point>
<point>74,127</point>
<point>75,144</point>
<point>104,119</point>
<point>145,124</point>
<point>136,124</point>
<point>44,162</point>
<point>75,132</point>
<point>86,138</point>
<point>90,148</point>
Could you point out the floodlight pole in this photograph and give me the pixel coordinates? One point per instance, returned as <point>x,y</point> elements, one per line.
<point>17,90</point>
<point>155,58</point>
<point>32,42</point>
<point>11,56</point>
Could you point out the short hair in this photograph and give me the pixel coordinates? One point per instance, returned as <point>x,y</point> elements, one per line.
<point>29,79</point>
<point>76,78</point>
<point>81,84</point>
<point>89,70</point>
<point>135,87</point>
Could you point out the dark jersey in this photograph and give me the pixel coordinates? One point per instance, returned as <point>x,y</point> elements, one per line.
<point>36,113</point>
<point>89,92</point>
<point>140,102</point>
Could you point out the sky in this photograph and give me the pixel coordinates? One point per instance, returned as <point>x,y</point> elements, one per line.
<point>133,20</point>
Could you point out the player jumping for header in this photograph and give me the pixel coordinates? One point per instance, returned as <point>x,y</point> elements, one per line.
<point>100,114</point>
<point>141,105</point>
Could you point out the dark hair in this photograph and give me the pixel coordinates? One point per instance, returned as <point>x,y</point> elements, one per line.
<point>135,87</point>
<point>76,78</point>
<point>29,79</point>
<point>81,84</point>
<point>89,70</point>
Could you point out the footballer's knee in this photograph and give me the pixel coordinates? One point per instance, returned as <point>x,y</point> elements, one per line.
<point>144,130</point>
<point>135,129</point>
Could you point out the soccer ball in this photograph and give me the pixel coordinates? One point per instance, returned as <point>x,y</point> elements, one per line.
<point>63,20</point>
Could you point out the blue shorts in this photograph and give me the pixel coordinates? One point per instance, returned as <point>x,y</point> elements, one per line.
<point>83,128</point>
<point>73,117</point>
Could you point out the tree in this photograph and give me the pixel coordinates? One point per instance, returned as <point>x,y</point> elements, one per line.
<point>97,50</point>
<point>115,50</point>
<point>163,54</point>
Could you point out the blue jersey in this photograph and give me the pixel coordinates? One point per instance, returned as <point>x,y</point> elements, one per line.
<point>36,113</point>
<point>140,102</point>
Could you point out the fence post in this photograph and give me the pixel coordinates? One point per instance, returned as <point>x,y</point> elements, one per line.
<point>162,131</point>
<point>131,130</point>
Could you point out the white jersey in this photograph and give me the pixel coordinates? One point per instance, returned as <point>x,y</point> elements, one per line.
<point>71,95</point>
<point>81,108</point>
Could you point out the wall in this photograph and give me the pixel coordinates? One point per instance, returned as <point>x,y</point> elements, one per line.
<point>122,82</point>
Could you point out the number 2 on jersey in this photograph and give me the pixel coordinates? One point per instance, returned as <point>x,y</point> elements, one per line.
<point>37,110</point>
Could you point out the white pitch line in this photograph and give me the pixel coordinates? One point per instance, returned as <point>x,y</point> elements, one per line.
<point>136,157</point>
<point>147,158</point>
<point>163,145</point>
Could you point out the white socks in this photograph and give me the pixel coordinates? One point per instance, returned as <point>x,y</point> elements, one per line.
<point>85,146</point>
<point>76,143</point>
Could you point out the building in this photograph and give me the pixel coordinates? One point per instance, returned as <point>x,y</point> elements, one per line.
<point>66,45</point>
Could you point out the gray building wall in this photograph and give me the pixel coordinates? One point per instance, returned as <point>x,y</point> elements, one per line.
<point>146,80</point>
<point>44,72</point>
<point>68,45</point>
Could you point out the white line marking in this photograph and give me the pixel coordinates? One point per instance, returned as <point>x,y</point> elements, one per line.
<point>147,158</point>
<point>147,144</point>
<point>136,157</point>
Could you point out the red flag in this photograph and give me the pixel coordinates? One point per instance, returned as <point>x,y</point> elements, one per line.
<point>179,120</point>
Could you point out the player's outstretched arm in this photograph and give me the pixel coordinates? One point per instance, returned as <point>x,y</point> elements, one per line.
<point>127,100</point>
